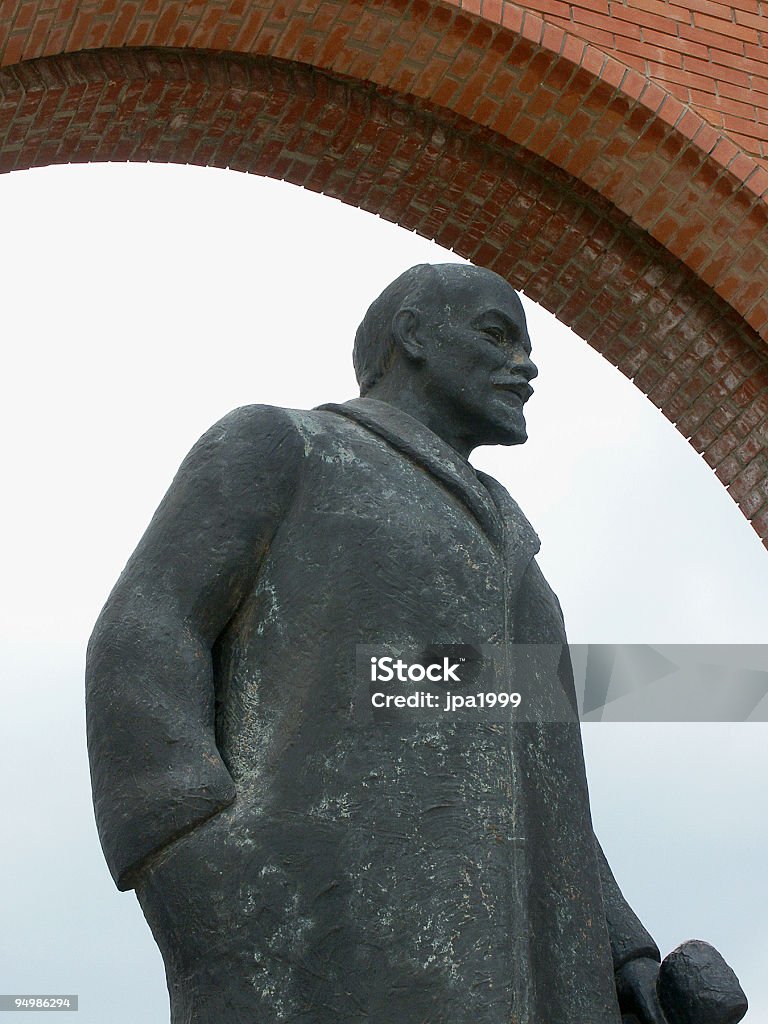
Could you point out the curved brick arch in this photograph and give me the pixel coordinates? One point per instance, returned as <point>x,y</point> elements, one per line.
<point>518,144</point>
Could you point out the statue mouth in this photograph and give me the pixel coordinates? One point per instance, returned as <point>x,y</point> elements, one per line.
<point>522,389</point>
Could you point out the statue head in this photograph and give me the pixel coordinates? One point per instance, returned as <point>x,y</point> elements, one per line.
<point>449,344</point>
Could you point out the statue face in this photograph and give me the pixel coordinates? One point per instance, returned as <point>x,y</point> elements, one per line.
<point>477,355</point>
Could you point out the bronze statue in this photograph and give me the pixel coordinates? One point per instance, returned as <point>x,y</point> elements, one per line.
<point>294,862</point>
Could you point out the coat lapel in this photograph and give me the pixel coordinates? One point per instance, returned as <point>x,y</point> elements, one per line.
<point>495,511</point>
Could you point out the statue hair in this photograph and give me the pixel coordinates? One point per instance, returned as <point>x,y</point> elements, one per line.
<point>375,344</point>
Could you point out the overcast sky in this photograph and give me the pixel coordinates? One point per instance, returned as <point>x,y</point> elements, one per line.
<point>140,305</point>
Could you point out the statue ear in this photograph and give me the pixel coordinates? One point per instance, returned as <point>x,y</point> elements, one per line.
<point>405,329</point>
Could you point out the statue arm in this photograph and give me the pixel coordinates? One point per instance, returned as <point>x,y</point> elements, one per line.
<point>636,960</point>
<point>539,619</point>
<point>155,768</point>
<point>629,939</point>
<point>635,955</point>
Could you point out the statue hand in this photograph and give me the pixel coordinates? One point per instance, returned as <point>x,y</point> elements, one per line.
<point>636,989</point>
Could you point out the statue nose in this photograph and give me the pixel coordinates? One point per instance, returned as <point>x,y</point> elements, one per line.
<point>525,367</point>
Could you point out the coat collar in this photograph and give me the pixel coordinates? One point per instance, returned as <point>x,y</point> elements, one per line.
<point>494,509</point>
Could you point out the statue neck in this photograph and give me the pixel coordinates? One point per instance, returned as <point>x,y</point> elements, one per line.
<point>405,393</point>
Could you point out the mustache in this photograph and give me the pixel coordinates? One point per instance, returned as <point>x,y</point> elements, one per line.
<point>510,382</point>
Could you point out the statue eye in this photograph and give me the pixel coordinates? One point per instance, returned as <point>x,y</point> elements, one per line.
<point>494,332</point>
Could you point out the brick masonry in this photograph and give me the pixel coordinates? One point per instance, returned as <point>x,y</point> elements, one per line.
<point>606,157</point>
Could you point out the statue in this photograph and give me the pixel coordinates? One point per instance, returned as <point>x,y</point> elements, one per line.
<point>297,864</point>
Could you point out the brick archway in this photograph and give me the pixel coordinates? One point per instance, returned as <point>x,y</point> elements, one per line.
<point>520,145</point>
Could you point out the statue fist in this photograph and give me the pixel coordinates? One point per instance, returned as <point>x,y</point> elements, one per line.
<point>637,989</point>
<point>693,985</point>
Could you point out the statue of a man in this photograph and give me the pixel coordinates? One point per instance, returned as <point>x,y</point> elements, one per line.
<point>297,864</point>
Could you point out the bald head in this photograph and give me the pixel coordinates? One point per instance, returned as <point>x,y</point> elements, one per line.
<point>427,286</point>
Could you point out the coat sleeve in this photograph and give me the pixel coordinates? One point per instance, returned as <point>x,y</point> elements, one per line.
<point>539,619</point>
<point>155,769</point>
<point>629,939</point>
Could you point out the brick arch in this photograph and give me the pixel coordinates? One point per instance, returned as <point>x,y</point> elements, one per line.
<point>512,141</point>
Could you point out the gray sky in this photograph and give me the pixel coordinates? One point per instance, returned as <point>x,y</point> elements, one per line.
<point>140,305</point>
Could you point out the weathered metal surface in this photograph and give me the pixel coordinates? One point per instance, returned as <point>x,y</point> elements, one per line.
<point>297,862</point>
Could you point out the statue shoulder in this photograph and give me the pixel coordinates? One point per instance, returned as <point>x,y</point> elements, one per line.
<point>252,439</point>
<point>260,426</point>
<point>255,449</point>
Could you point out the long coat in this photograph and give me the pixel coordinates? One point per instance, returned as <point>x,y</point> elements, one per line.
<point>296,861</point>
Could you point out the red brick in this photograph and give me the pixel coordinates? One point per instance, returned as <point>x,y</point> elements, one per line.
<point>754,21</point>
<point>760,523</point>
<point>667,74</point>
<point>491,9</point>
<point>532,27</point>
<point>653,96</point>
<point>725,28</point>
<point>741,166</point>
<point>715,40</point>
<point>726,471</point>
<point>752,447</point>
<point>752,475</point>
<point>724,152</point>
<point>552,37</point>
<point>722,73</point>
<point>512,18</point>
<point>729,106</point>
<point>573,49</point>
<point>550,8</point>
<point>751,130</point>
<point>610,24</point>
<point>661,7</point>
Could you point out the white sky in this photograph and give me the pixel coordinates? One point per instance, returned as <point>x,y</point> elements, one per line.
<point>141,304</point>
